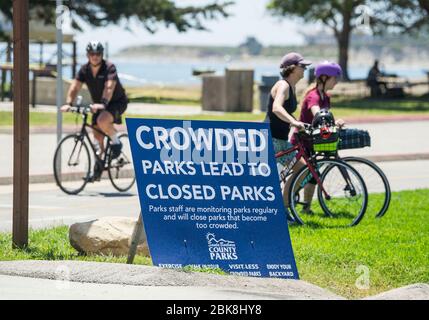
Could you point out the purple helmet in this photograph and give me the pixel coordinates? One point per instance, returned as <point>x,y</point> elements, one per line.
<point>329,69</point>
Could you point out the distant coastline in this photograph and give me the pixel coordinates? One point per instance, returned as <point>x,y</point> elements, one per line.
<point>416,56</point>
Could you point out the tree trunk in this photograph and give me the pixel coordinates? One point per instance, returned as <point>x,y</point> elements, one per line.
<point>343,51</point>
<point>343,39</point>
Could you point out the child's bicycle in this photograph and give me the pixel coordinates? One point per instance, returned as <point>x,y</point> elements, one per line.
<point>76,153</point>
<point>340,198</point>
<point>378,185</point>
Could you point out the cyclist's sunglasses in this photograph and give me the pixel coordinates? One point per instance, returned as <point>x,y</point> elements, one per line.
<point>92,54</point>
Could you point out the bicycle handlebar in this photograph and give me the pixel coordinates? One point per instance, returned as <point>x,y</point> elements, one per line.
<point>308,129</point>
<point>80,109</point>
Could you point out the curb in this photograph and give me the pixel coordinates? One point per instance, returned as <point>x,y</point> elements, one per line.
<point>399,157</point>
<point>349,120</point>
<point>152,276</point>
<point>37,178</point>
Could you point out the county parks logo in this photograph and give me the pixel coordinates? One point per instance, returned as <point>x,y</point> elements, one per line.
<point>221,249</point>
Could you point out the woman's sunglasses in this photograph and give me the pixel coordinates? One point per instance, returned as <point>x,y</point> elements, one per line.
<point>303,66</point>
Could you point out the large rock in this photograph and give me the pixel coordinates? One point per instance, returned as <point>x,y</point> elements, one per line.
<point>107,236</point>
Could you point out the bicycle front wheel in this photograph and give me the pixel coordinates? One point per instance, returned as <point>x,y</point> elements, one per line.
<point>72,164</point>
<point>379,193</point>
<point>339,201</point>
<point>121,169</point>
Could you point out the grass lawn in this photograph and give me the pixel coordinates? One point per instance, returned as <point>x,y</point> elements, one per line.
<point>394,249</point>
<point>39,118</point>
<point>185,95</point>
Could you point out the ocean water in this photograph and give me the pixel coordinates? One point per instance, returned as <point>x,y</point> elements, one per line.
<point>138,73</point>
<point>178,71</point>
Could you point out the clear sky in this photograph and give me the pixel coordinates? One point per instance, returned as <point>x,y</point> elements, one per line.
<point>249,18</point>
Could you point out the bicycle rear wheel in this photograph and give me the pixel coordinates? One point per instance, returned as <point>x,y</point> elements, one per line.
<point>72,164</point>
<point>379,193</point>
<point>121,169</point>
<point>345,202</point>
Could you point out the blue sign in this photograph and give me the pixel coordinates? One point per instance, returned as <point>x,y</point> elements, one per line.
<point>210,196</point>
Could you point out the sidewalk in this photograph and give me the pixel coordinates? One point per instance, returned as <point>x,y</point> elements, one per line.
<point>93,280</point>
<point>75,280</point>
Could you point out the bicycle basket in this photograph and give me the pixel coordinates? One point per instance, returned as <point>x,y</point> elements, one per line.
<point>353,139</point>
<point>325,139</point>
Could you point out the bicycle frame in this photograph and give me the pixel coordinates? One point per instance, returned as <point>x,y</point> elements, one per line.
<point>84,133</point>
<point>303,154</point>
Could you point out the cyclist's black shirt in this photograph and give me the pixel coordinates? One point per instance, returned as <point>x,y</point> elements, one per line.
<point>279,128</point>
<point>95,85</point>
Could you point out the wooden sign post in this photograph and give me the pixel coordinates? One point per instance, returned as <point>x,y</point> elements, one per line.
<point>20,123</point>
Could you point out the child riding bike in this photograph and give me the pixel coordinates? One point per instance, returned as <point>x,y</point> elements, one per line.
<point>317,98</point>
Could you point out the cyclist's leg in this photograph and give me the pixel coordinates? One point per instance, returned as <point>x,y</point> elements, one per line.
<point>281,145</point>
<point>105,123</point>
<point>97,135</point>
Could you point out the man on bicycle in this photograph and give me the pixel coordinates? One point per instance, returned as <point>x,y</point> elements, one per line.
<point>108,96</point>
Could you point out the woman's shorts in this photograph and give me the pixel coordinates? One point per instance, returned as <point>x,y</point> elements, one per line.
<point>281,145</point>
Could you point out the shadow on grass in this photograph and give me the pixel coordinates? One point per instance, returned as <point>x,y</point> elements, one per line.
<point>406,104</point>
<point>327,222</point>
<point>51,254</point>
<point>106,194</point>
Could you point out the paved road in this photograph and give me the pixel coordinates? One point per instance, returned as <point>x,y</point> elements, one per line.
<point>387,139</point>
<point>49,206</point>
<point>20,288</point>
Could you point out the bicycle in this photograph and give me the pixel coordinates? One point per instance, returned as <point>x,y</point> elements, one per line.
<point>341,192</point>
<point>378,186</point>
<point>76,152</point>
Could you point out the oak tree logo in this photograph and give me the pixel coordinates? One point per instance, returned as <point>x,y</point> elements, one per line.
<point>221,249</point>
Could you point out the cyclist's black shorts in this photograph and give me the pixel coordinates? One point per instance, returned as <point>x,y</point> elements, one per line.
<point>116,109</point>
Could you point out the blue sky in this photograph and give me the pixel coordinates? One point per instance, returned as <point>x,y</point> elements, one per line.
<point>249,18</point>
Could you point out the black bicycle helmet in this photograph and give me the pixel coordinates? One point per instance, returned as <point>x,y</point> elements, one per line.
<point>95,46</point>
<point>323,117</point>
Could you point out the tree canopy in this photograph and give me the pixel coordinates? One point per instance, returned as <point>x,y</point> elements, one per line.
<point>150,13</point>
<point>344,16</point>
